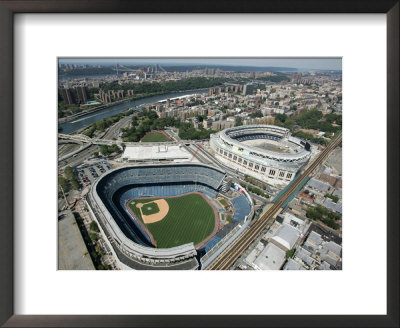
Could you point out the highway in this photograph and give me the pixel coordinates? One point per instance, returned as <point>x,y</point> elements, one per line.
<point>113,131</point>
<point>66,148</point>
<point>233,251</point>
<point>80,157</point>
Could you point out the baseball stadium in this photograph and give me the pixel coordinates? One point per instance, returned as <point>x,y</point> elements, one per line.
<point>172,216</point>
<point>267,152</point>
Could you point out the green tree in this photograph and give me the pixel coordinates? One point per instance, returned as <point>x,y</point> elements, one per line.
<point>73,182</point>
<point>238,122</point>
<point>290,253</point>
<point>335,199</point>
<point>64,183</point>
<point>147,88</point>
<point>281,118</point>
<point>256,114</point>
<point>99,250</point>
<point>69,172</point>
<point>94,227</point>
<point>104,150</point>
<point>93,236</point>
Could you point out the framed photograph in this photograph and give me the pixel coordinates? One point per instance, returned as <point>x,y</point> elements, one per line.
<point>207,164</point>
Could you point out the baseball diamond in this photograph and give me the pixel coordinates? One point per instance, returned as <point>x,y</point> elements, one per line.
<point>156,136</point>
<point>148,208</point>
<point>161,216</point>
<point>190,218</point>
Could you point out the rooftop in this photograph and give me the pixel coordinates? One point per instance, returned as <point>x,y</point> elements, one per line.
<point>271,258</point>
<point>159,152</point>
<point>292,265</point>
<point>286,235</point>
<point>318,185</point>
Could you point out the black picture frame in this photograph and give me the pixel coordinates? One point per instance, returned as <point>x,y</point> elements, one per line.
<point>7,11</point>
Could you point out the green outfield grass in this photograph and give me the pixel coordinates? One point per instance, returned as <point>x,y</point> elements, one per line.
<point>155,137</point>
<point>190,219</point>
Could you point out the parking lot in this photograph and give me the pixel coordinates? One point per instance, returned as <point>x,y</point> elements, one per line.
<point>88,173</point>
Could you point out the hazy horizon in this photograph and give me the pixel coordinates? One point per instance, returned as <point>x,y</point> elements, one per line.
<point>298,63</point>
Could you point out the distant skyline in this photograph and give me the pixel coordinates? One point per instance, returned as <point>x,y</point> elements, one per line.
<point>299,63</point>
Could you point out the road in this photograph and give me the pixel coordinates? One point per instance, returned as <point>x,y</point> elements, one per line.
<point>67,148</point>
<point>80,157</point>
<point>233,251</point>
<point>113,131</point>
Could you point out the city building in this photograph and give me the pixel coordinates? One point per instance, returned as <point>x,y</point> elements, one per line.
<point>66,95</point>
<point>82,94</point>
<point>248,89</point>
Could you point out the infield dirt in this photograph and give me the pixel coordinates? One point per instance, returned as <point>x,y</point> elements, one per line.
<point>162,205</point>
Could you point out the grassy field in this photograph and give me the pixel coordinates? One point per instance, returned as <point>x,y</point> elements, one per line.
<point>190,219</point>
<point>155,137</point>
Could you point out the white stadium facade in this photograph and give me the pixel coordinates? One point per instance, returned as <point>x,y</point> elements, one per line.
<point>267,152</point>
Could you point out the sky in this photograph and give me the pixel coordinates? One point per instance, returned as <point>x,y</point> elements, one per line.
<point>299,63</point>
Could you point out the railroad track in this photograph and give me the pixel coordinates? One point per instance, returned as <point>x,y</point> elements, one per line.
<point>228,256</point>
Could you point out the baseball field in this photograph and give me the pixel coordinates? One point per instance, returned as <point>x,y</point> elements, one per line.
<point>175,221</point>
<point>155,137</point>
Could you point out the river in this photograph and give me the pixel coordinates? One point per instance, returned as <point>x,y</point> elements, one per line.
<point>82,122</point>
